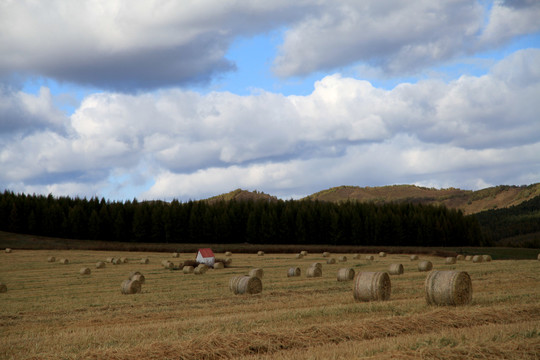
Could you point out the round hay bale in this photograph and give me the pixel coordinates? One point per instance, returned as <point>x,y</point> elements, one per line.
<point>144,261</point>
<point>245,285</point>
<point>117,261</point>
<point>331,261</point>
<point>109,259</point>
<point>460,257</point>
<point>538,256</point>
<point>188,269</point>
<point>100,265</point>
<point>468,258</point>
<point>228,262</point>
<point>448,288</point>
<point>219,265</point>
<point>3,288</point>
<point>130,287</point>
<point>414,257</point>
<point>372,286</point>
<point>486,258</point>
<point>294,271</point>
<point>228,253</point>
<point>260,253</point>
<point>370,257</point>
<point>345,274</point>
<point>382,254</point>
<point>314,271</point>
<point>85,271</point>
<point>477,259</point>
<point>450,260</point>
<point>123,260</point>
<point>64,261</point>
<point>342,259</point>
<point>304,252</point>
<point>425,265</point>
<point>395,269</point>
<point>327,254</point>
<point>51,259</point>
<point>8,250</point>
<point>356,256</point>
<point>317,265</point>
<point>200,270</point>
<point>175,255</point>
<point>299,256</point>
<point>136,275</point>
<point>167,264</point>
<point>258,272</point>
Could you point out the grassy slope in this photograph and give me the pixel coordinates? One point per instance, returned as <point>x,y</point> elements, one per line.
<point>51,311</point>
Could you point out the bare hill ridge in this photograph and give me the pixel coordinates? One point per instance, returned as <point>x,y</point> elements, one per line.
<point>468,201</point>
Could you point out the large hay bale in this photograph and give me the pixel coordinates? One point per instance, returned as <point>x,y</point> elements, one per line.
<point>100,265</point>
<point>298,256</point>
<point>477,259</point>
<point>145,261</point>
<point>228,253</point>
<point>345,274</point>
<point>314,271</point>
<point>342,259</point>
<point>414,257</point>
<point>188,269</point>
<point>219,265</point>
<point>3,288</point>
<point>200,270</point>
<point>294,271</point>
<point>372,286</point>
<point>245,285</point>
<point>260,253</point>
<point>304,252</point>
<point>486,258</point>
<point>327,254</point>
<point>382,254</point>
<point>460,257</point>
<point>356,256</point>
<point>317,265</point>
<point>175,255</point>
<point>331,261</point>
<point>130,287</point>
<point>85,271</point>
<point>448,288</point>
<point>258,272</point>
<point>64,261</point>
<point>468,258</point>
<point>425,265</point>
<point>450,260</point>
<point>51,259</point>
<point>370,257</point>
<point>395,269</point>
<point>8,250</point>
<point>136,275</point>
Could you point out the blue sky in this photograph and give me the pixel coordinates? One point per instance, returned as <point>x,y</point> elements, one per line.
<point>162,100</point>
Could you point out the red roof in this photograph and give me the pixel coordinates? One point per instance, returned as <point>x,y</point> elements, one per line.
<point>206,253</point>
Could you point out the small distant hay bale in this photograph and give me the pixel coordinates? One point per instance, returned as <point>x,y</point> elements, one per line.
<point>199,270</point>
<point>313,271</point>
<point>3,288</point>
<point>327,254</point>
<point>468,258</point>
<point>460,257</point>
<point>299,256</point>
<point>304,252</point>
<point>382,254</point>
<point>228,253</point>
<point>193,263</point>
<point>317,265</point>
<point>372,286</point>
<point>477,259</point>
<point>219,265</point>
<point>245,285</point>
<point>85,271</point>
<point>258,272</point>
<point>123,260</point>
<point>450,260</point>
<point>294,271</point>
<point>448,288</point>
<point>538,257</point>
<point>8,250</point>
<point>117,261</point>
<point>175,255</point>
<point>188,269</point>
<point>345,274</point>
<point>136,275</point>
<point>167,264</point>
<point>100,265</point>
<point>356,256</point>
<point>64,261</point>
<point>370,257</point>
<point>425,265</point>
<point>395,269</point>
<point>145,261</point>
<point>51,259</point>
<point>414,257</point>
<point>331,261</point>
<point>342,259</point>
<point>260,253</point>
<point>227,262</point>
<point>110,259</point>
<point>130,287</point>
<point>486,258</point>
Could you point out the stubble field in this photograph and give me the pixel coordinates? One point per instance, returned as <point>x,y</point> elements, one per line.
<point>50,311</point>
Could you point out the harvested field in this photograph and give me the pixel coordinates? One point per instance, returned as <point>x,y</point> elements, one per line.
<point>67,316</point>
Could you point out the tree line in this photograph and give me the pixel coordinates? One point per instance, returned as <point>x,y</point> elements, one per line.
<point>253,221</point>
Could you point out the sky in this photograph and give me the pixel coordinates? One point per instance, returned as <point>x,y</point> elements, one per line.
<point>161,99</point>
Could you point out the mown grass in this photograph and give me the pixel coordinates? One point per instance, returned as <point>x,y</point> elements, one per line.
<point>50,311</point>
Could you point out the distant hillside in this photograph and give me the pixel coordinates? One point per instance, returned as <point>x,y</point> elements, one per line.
<point>241,195</point>
<point>470,202</point>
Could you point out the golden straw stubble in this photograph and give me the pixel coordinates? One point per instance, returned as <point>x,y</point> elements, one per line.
<point>448,288</point>
<point>3,288</point>
<point>130,287</point>
<point>372,286</point>
<point>245,285</point>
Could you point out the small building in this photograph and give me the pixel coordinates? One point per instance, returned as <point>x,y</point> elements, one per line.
<point>206,256</point>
